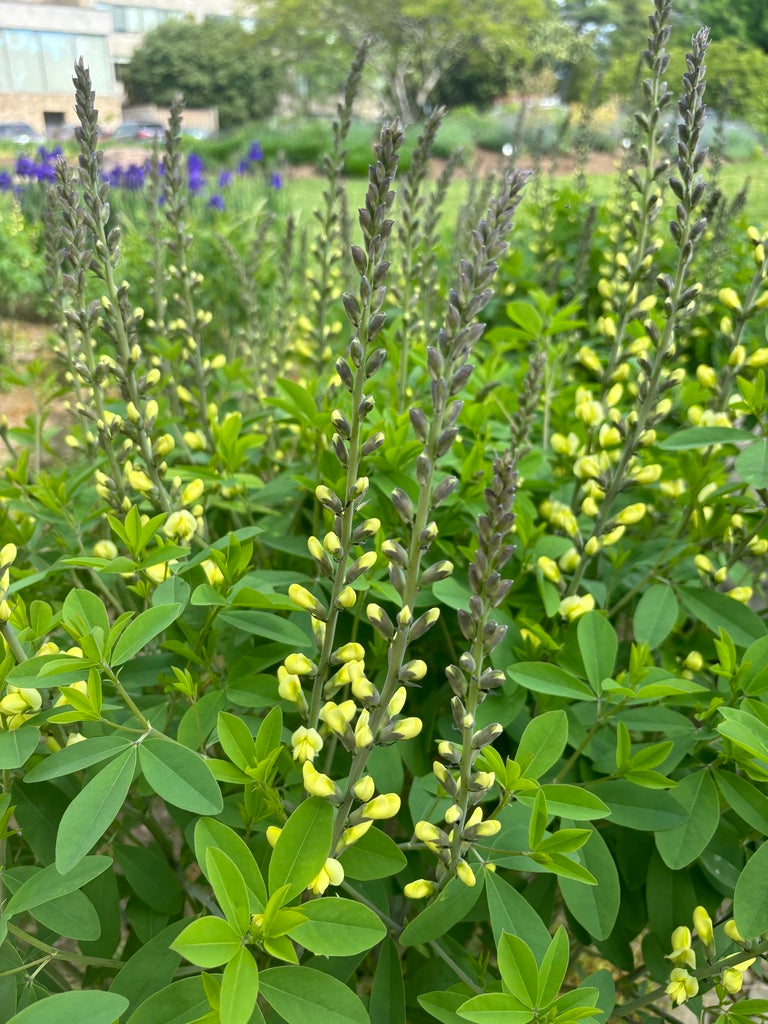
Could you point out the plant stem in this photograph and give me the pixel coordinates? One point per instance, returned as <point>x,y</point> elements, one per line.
<point>126,696</point>
<point>62,954</point>
<point>704,972</point>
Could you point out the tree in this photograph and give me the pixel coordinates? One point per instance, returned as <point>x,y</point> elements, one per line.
<point>214,63</point>
<point>417,44</point>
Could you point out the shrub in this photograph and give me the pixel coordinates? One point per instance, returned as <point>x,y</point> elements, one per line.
<point>394,636</point>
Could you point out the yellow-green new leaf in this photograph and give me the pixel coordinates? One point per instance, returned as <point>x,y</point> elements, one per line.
<point>208,942</point>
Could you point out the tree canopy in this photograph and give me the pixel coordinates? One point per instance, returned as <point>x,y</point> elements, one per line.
<point>417,45</point>
<point>215,62</point>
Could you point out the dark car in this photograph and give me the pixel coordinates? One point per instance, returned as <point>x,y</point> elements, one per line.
<point>139,131</point>
<point>19,132</point>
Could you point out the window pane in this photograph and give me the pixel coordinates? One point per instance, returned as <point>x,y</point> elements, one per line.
<point>133,19</point>
<point>95,53</point>
<point>24,60</point>
<point>5,65</point>
<point>58,59</point>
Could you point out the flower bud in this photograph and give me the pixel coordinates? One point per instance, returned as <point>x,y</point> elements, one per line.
<point>419,890</point>
<point>387,805</point>
<point>364,789</point>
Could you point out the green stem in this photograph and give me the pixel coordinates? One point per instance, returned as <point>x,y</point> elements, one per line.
<point>62,954</point>
<point>704,972</point>
<point>12,641</point>
<point>126,697</point>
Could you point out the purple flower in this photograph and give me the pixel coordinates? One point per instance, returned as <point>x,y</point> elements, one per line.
<point>225,179</point>
<point>216,202</point>
<point>243,167</point>
<point>6,181</point>
<point>256,153</point>
<point>194,164</point>
<point>275,180</point>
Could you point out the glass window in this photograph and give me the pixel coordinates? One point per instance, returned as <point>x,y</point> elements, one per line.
<point>151,18</point>
<point>5,65</point>
<point>58,60</point>
<point>134,19</point>
<point>95,53</point>
<point>24,61</point>
<point>119,22</point>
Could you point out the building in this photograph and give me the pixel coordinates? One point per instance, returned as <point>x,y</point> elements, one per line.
<point>40,42</point>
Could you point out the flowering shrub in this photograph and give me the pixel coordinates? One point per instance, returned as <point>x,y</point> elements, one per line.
<point>394,671</point>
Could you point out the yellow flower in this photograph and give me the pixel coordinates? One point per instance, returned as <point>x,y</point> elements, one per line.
<point>419,890</point>
<point>193,491</point>
<point>733,932</point>
<point>300,665</point>
<point>346,598</point>
<point>213,573</point>
<point>317,784</point>
<point>732,980</point>
<point>363,734</point>
<point>681,947</point>
<point>384,806</point>
<point>573,607</point>
<point>351,835</point>
<point>682,986</point>
<point>465,873</point>
<point>180,526</point>
<point>105,549</point>
<point>364,789</point>
<point>273,834</point>
<point>331,873</point>
<point>702,922</point>
<point>694,661</point>
<point>632,513</point>
<point>306,743</point>
<point>348,652</point>
<point>549,569</point>
<point>741,594</point>
<point>730,299</point>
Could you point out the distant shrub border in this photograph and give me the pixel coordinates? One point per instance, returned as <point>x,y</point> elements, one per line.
<point>360,665</point>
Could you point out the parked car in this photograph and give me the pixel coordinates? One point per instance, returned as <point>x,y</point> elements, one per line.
<point>19,133</point>
<point>138,131</point>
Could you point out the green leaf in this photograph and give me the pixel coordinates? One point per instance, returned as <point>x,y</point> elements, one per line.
<point>302,847</point>
<point>91,1006</point>
<point>511,912</point>
<point>48,884</point>
<point>454,902</point>
<point>553,968</point>
<point>145,627</point>
<point>270,733</point>
<point>746,730</point>
<point>539,818</point>
<point>180,776</point>
<point>680,846</point>
<point>93,810</point>
<point>236,740</point>
<point>269,625</point>
<point>338,927</point>
<point>49,670</point>
<point>302,995</point>
<point>494,1008</point>
<point>211,833</point>
<point>151,967</point>
<point>702,437</point>
<point>75,758</point>
<point>595,907</point>
<point>542,743</point>
<point>151,877</point>
<point>753,673</point>
<point>744,799</point>
<point>574,802</point>
<point>83,612</point>
<point>208,942</point>
<point>751,464</point>
<point>182,1002</point>
<point>239,988</point>
<point>598,645</point>
<point>718,611</point>
<point>525,316</point>
<point>655,615</point>
<point>518,969</point>
<point>544,678</point>
<point>387,1002</point>
<point>750,898</point>
<point>443,1005</point>
<point>229,888</point>
<point>643,809</point>
<point>373,856</point>
<point>17,746</point>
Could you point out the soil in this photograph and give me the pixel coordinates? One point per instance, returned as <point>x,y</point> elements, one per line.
<point>21,344</point>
